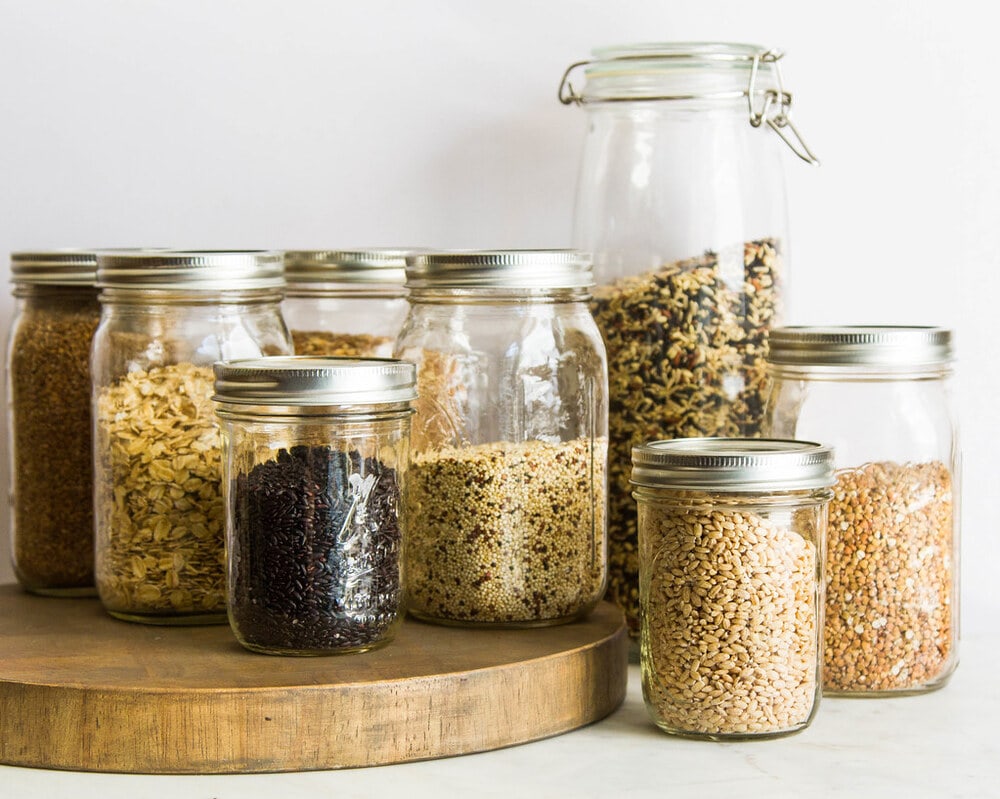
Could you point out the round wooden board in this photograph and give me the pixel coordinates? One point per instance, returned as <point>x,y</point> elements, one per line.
<point>80,690</point>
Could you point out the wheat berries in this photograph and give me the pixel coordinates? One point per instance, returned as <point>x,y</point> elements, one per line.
<point>687,347</point>
<point>343,345</point>
<point>730,614</point>
<point>158,503</point>
<point>890,602</point>
<point>506,533</point>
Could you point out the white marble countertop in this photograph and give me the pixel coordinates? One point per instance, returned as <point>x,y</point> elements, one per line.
<point>938,745</point>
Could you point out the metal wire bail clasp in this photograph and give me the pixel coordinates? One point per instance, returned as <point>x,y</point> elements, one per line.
<point>567,94</point>
<point>774,107</point>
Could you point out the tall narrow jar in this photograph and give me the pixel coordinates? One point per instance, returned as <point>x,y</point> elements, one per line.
<point>506,490</point>
<point>48,420</point>
<point>348,303</point>
<point>730,561</point>
<point>681,199</point>
<point>315,452</point>
<point>882,397</point>
<point>166,318</point>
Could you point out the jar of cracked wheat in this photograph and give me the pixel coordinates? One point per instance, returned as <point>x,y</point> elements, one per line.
<point>166,318</point>
<point>730,575</point>
<point>882,397</point>
<point>48,420</point>
<point>506,488</point>
<point>347,303</point>
<point>681,198</point>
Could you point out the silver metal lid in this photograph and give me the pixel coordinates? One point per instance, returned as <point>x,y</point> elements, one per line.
<point>66,267</point>
<point>375,265</point>
<point>207,270</point>
<point>733,464</point>
<point>888,347</point>
<point>522,269</point>
<point>314,381</point>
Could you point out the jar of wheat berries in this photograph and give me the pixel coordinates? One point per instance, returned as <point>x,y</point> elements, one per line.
<point>506,487</point>
<point>48,420</point>
<point>166,318</point>
<point>681,199</point>
<point>730,575</point>
<point>348,303</point>
<point>881,396</point>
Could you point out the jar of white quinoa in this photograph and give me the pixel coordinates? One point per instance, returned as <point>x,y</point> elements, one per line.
<point>506,488</point>
<point>881,397</point>
<point>730,575</point>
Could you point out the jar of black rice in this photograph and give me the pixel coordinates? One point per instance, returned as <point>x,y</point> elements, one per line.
<point>314,451</point>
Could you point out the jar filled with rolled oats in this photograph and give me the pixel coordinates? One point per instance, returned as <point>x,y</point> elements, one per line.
<point>348,303</point>
<point>48,420</point>
<point>681,199</point>
<point>881,396</point>
<point>506,488</point>
<point>166,318</point>
<point>730,575</point>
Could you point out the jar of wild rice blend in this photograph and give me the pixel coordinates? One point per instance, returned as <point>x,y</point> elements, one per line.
<point>730,576</point>
<point>48,420</point>
<point>166,318</point>
<point>348,303</point>
<point>881,396</point>
<point>315,452</point>
<point>681,199</point>
<point>506,488</point>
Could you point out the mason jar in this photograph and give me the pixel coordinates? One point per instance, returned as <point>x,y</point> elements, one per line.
<point>681,199</point>
<point>315,452</point>
<point>506,490</point>
<point>348,303</point>
<point>730,566</point>
<point>882,397</point>
<point>166,318</point>
<point>48,420</point>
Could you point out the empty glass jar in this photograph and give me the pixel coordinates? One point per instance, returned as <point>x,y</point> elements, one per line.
<point>730,576</point>
<point>881,396</point>
<point>506,491</point>
<point>315,453</point>
<point>166,318</point>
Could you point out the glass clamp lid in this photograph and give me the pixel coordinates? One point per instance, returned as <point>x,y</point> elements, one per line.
<point>205,270</point>
<point>314,381</point>
<point>733,464</point>
<point>877,346</point>
<point>518,269</point>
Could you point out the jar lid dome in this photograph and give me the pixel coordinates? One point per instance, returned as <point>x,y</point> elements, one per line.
<point>518,269</point>
<point>733,464</point>
<point>382,265</point>
<point>879,346</point>
<point>303,380</point>
<point>203,270</point>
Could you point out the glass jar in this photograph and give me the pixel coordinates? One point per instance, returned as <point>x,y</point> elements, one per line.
<point>48,420</point>
<point>349,303</point>
<point>166,318</point>
<point>314,461</point>
<point>881,397</point>
<point>506,490</point>
<point>681,199</point>
<point>730,581</point>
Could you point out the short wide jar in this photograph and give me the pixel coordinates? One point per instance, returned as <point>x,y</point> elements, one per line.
<point>730,572</point>
<point>315,453</point>
<point>881,397</point>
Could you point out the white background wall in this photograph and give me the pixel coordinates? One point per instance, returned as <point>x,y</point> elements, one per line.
<point>299,123</point>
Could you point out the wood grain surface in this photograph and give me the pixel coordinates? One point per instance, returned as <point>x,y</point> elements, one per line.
<point>80,690</point>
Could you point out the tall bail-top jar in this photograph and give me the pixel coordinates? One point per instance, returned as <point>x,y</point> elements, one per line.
<point>730,563</point>
<point>681,199</point>
<point>349,303</point>
<point>48,420</point>
<point>881,396</point>
<point>506,492</point>
<point>166,318</point>
<point>315,453</point>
